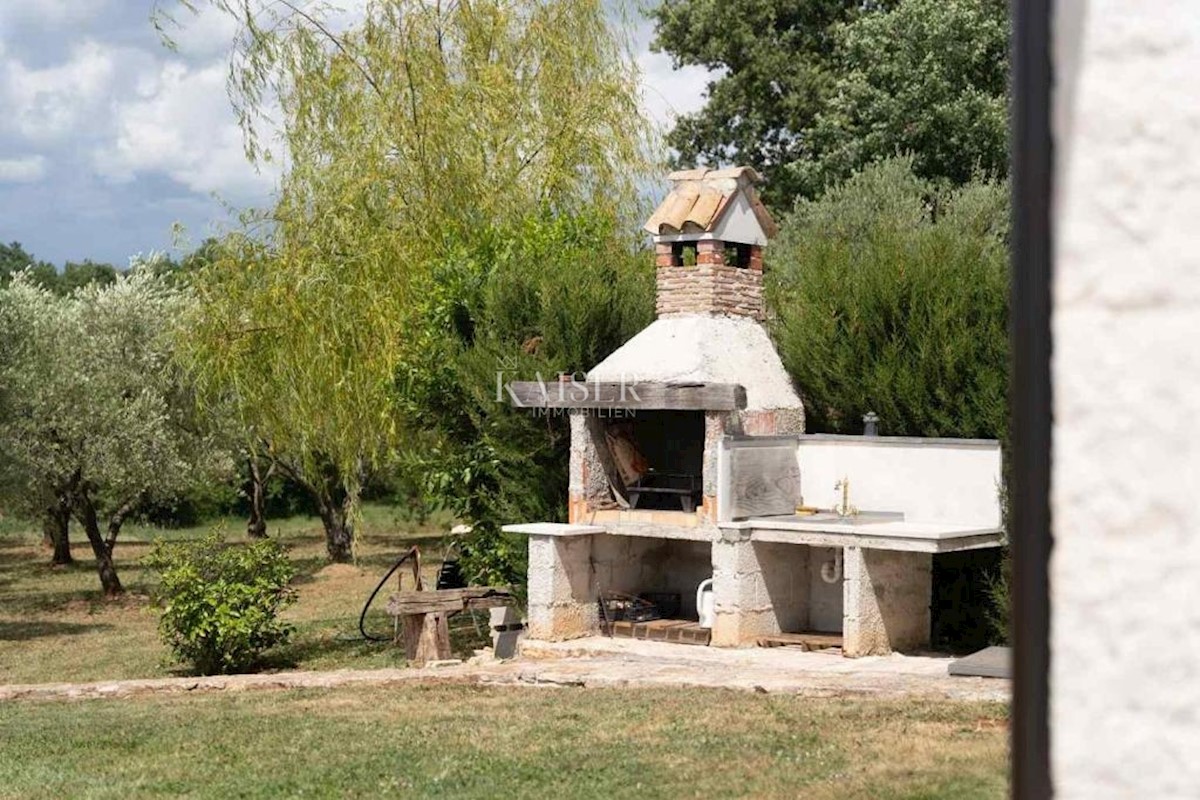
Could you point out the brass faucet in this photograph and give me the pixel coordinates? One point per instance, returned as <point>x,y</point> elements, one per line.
<point>845,509</point>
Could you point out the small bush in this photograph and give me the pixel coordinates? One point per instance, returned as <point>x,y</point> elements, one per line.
<point>221,602</point>
<point>999,583</point>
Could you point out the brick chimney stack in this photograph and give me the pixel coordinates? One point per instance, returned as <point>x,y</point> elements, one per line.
<point>708,238</point>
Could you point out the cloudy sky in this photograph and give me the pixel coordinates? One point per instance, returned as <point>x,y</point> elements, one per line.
<point>107,138</point>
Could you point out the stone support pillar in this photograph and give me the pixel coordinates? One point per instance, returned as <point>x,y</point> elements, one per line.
<point>562,592</point>
<point>886,596</point>
<point>588,488</point>
<point>741,600</point>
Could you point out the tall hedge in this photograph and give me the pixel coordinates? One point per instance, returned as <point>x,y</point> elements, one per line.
<point>548,294</point>
<point>889,294</point>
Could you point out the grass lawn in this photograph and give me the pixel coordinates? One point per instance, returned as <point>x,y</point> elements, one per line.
<point>55,626</point>
<point>431,741</point>
<point>467,742</point>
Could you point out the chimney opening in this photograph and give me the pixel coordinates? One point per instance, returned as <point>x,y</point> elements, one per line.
<point>683,254</point>
<point>737,255</point>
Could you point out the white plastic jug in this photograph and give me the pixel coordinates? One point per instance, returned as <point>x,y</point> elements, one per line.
<point>704,603</point>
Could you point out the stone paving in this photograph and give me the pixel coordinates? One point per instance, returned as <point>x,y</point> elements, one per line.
<point>599,662</point>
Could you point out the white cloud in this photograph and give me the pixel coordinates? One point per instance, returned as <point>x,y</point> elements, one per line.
<point>50,12</point>
<point>668,93</point>
<point>58,101</point>
<point>94,108</point>
<point>209,32</point>
<point>202,35</point>
<point>27,169</point>
<point>180,125</point>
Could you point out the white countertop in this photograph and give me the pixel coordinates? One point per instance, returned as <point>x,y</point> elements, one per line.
<point>552,529</point>
<point>929,537</point>
<point>885,534</point>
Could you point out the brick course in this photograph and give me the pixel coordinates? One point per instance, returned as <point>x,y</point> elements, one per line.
<point>715,289</point>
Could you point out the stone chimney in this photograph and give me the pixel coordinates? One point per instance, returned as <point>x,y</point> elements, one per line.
<point>709,233</point>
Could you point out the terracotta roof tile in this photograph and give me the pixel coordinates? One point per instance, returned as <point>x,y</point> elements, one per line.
<point>699,197</point>
<point>708,201</point>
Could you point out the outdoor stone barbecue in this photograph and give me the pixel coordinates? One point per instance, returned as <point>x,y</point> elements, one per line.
<point>689,462</point>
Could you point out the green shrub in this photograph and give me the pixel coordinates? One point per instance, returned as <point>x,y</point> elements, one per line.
<point>999,613</point>
<point>220,602</point>
<point>548,294</point>
<point>891,295</point>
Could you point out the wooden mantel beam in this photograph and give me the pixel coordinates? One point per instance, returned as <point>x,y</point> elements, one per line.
<point>645,395</point>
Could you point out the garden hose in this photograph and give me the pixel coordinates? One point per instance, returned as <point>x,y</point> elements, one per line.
<point>449,577</point>
<point>362,618</point>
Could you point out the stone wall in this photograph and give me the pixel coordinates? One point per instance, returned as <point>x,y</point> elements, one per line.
<point>770,421</point>
<point>785,580</point>
<point>741,602</point>
<point>759,588</point>
<point>1125,621</point>
<point>588,484</point>
<point>709,289</point>
<point>562,595</point>
<point>716,425</point>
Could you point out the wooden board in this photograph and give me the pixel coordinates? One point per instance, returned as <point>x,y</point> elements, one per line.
<point>761,475</point>
<point>807,641</point>
<point>446,600</point>
<point>662,630</point>
<point>647,395</point>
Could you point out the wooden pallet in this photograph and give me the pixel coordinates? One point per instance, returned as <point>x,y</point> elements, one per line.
<point>662,630</point>
<point>807,641</point>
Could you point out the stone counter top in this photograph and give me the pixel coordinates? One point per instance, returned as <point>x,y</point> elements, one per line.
<point>552,529</point>
<point>892,534</point>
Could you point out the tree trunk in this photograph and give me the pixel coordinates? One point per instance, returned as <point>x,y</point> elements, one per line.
<point>339,530</point>
<point>116,521</point>
<point>56,527</point>
<point>335,504</point>
<point>102,550</point>
<point>256,526</point>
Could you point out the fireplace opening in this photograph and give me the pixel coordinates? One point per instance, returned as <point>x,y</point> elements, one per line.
<point>660,455</point>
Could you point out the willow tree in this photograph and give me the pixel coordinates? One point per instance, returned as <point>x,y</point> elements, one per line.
<point>401,135</point>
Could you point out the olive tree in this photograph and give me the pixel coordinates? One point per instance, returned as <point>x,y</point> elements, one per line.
<point>96,417</point>
<point>29,494</point>
<point>401,136</point>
